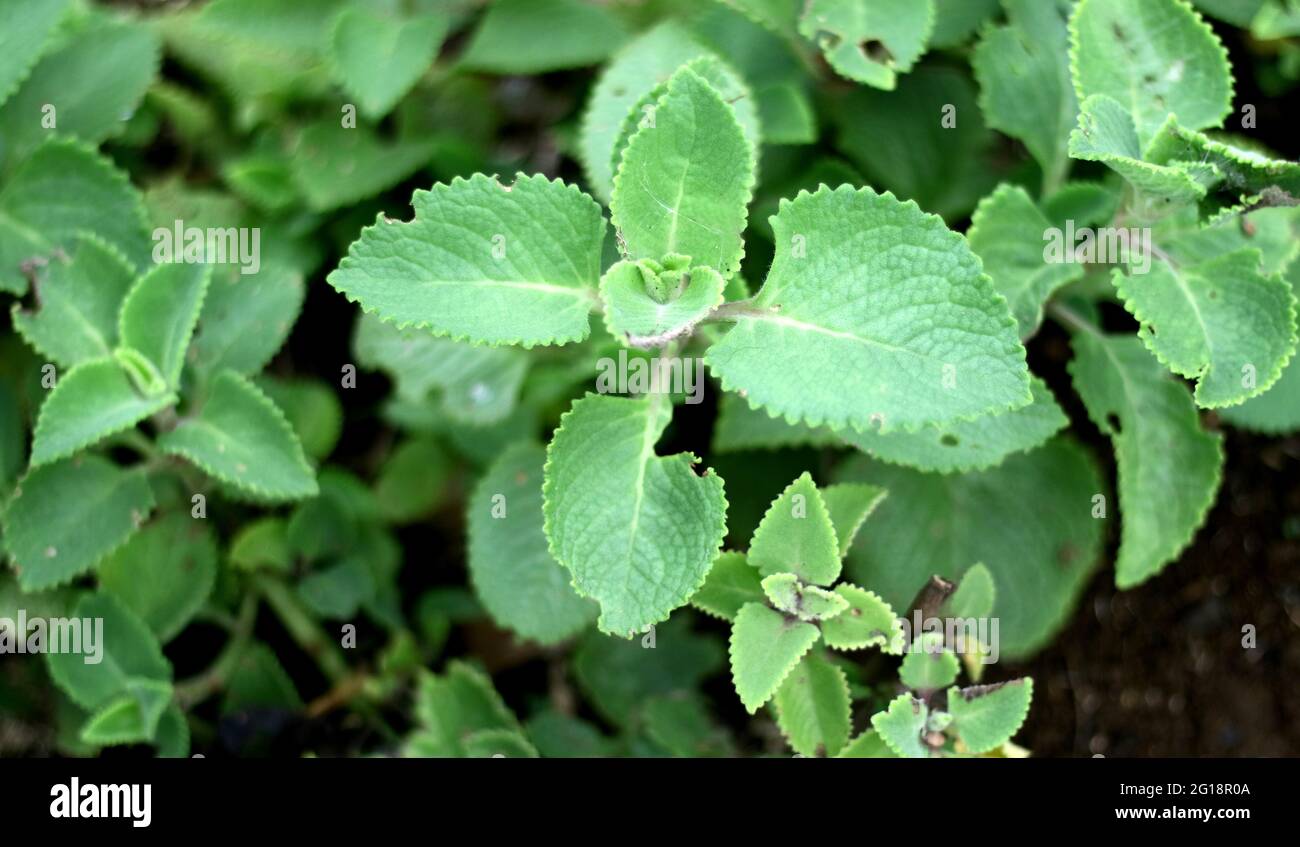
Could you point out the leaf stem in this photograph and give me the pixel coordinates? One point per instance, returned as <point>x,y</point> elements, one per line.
<point>302,627</point>
<point>198,688</point>
<point>1068,317</point>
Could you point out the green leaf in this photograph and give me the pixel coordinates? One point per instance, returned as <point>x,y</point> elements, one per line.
<point>527,274</point>
<point>241,438</point>
<point>849,504</point>
<point>79,299</point>
<point>631,75</point>
<point>636,531</point>
<point>986,716</point>
<point>632,311</point>
<point>925,142</point>
<point>1040,558</point>
<point>812,708</point>
<point>740,426</point>
<point>765,647</point>
<point>969,445</point>
<point>132,717</point>
<point>312,408</point>
<point>94,77</point>
<point>1241,170</point>
<point>460,702</point>
<point>499,744</point>
<point>338,590</point>
<point>160,312</point>
<point>955,21</point>
<point>682,724</point>
<point>1106,133</point>
<point>246,319</point>
<point>24,32</point>
<point>1025,88</point>
<point>378,58</point>
<point>337,166</point>
<point>560,736</point>
<point>927,666</point>
<point>974,596</point>
<point>900,727</point>
<point>732,582</point>
<point>412,481</point>
<point>261,544</point>
<point>537,36</point>
<point>128,656</point>
<point>806,602</point>
<point>868,622</point>
<point>60,191</point>
<point>1169,467</point>
<point>65,517</point>
<point>1007,232</point>
<point>868,745</point>
<point>1155,57</point>
<point>479,385</point>
<point>887,307</point>
<point>796,536</point>
<point>91,402</point>
<point>869,41</point>
<point>522,587</point>
<point>685,180</point>
<point>164,573</point>
<point>1221,322</point>
<point>1278,409</point>
<point>259,680</point>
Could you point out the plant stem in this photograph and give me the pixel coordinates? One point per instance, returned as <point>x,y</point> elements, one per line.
<point>1068,317</point>
<point>198,688</point>
<point>304,629</point>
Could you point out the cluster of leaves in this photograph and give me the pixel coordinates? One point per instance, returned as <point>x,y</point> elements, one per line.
<point>164,464</point>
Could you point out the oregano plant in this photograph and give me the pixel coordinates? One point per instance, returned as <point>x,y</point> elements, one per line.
<point>764,378</point>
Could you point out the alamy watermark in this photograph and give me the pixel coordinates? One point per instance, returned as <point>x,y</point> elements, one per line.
<point>651,375</point>
<point>83,636</point>
<point>963,636</point>
<point>214,246</point>
<point>1107,245</point>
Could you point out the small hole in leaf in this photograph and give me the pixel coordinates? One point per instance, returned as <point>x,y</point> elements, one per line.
<point>876,51</point>
<point>948,440</point>
<point>1112,421</point>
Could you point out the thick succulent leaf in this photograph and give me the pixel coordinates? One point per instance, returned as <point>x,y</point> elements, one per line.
<point>24,30</point>
<point>765,647</point>
<point>903,142</point>
<point>631,75</point>
<point>164,573</point>
<point>685,180</point>
<point>60,191</point>
<point>129,652</point>
<point>927,665</point>
<point>1024,76</point>
<point>522,587</point>
<point>241,438</point>
<point>867,622</point>
<point>806,602</point>
<point>634,314</point>
<point>160,312</point>
<point>79,298</point>
<point>1242,170</point>
<point>458,703</point>
<point>955,21</point>
<point>1154,57</point>
<point>637,531</point>
<point>337,166</point>
<point>974,596</point>
<point>1169,467</point>
<point>479,385</point>
<point>900,727</point>
<point>1040,558</point>
<point>869,41</point>
<point>483,262</point>
<point>65,517</point>
<point>732,582</point>
<point>129,718</point>
<point>246,319</point>
<point>1106,133</point>
<point>1221,322</point>
<point>908,332</point>
<point>812,707</point>
<point>378,58</point>
<point>510,40</point>
<point>1278,409</point>
<point>1007,232</point>
<point>94,77</point>
<point>968,445</point>
<point>796,536</point>
<point>848,505</point>
<point>986,716</point>
<point>92,401</point>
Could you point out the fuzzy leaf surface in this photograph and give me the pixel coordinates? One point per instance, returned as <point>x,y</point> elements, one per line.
<point>765,647</point>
